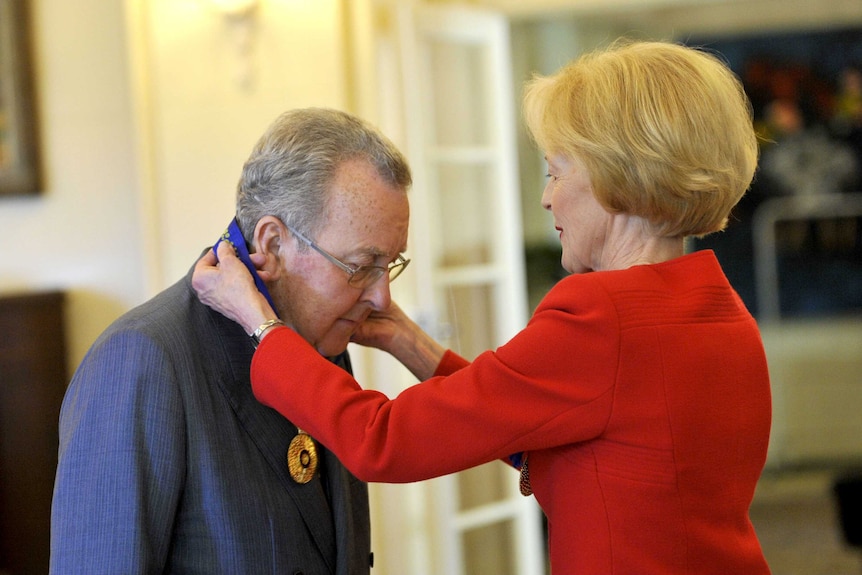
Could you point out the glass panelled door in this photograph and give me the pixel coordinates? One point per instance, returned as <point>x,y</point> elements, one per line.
<point>466,235</point>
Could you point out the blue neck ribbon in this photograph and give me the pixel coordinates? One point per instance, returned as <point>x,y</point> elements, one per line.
<point>517,459</point>
<point>233,236</point>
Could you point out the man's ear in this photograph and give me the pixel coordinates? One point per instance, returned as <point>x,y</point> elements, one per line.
<point>269,236</point>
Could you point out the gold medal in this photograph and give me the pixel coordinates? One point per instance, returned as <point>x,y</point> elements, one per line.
<point>302,457</point>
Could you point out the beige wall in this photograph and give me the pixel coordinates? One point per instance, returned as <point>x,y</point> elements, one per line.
<point>145,123</point>
<point>215,83</point>
<point>82,233</point>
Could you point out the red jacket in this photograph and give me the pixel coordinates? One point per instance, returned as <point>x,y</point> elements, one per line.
<point>641,395</point>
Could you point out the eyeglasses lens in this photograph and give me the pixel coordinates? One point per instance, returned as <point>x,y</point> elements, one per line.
<point>366,276</point>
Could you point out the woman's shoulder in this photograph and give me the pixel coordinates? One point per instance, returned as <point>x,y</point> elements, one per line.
<point>599,288</point>
<point>576,291</point>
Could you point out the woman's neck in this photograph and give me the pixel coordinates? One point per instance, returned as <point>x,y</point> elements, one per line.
<point>631,241</point>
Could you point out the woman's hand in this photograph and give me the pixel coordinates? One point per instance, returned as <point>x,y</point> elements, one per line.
<point>226,286</point>
<point>394,332</point>
<point>382,328</point>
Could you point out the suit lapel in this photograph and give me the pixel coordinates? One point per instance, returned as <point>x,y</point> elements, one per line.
<point>270,432</point>
<point>351,528</point>
<point>349,500</point>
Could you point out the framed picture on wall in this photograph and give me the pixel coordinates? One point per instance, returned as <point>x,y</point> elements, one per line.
<point>19,149</point>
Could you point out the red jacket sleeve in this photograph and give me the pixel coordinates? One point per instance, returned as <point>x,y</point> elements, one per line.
<point>522,396</point>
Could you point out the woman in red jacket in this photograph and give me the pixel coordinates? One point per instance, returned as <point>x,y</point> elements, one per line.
<point>637,398</point>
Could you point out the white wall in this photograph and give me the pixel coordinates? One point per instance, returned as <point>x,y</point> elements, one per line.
<point>144,129</point>
<point>215,84</point>
<point>81,234</point>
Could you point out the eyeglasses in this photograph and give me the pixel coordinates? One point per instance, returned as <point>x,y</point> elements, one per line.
<point>361,276</point>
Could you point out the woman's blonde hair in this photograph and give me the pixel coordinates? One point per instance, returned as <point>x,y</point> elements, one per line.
<point>665,132</point>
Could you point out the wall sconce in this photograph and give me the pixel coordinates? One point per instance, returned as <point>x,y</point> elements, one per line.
<point>240,20</point>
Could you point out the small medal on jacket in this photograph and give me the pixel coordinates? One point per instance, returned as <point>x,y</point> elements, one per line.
<point>302,457</point>
<point>524,484</point>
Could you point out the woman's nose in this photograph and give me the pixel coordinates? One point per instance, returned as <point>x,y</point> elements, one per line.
<point>546,198</point>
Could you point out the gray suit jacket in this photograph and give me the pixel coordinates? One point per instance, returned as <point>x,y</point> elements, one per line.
<point>168,464</point>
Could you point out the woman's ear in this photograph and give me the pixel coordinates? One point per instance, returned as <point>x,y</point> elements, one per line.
<point>269,236</point>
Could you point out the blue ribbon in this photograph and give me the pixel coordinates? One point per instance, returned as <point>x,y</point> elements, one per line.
<point>517,459</point>
<point>234,237</point>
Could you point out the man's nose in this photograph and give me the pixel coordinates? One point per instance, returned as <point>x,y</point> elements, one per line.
<point>378,293</point>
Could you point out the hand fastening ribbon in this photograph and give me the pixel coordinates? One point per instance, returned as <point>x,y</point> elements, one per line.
<point>233,236</point>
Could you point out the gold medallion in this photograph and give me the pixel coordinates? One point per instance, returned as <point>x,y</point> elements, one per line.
<point>302,457</point>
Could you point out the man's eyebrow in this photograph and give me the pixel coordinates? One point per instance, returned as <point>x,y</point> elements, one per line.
<point>371,251</point>
<point>376,252</point>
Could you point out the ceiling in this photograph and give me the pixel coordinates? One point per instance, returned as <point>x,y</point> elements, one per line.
<point>692,15</point>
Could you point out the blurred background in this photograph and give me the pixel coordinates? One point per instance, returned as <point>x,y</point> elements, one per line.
<point>124,126</point>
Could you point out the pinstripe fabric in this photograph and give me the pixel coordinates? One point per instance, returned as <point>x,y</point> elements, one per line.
<point>168,464</point>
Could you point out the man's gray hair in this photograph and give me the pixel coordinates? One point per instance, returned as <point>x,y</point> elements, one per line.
<point>289,172</point>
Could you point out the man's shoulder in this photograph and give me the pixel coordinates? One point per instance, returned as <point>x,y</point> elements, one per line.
<point>172,319</point>
<point>169,333</point>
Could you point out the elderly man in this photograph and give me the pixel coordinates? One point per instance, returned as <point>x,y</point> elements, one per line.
<point>167,463</point>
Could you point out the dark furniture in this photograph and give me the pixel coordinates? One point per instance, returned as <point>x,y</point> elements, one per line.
<point>848,494</point>
<point>32,384</point>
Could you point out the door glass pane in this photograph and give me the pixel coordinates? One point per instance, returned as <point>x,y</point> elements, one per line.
<point>466,214</point>
<point>471,316</point>
<point>489,550</point>
<point>457,94</point>
<point>485,484</point>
